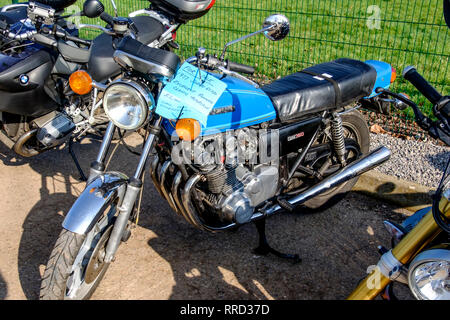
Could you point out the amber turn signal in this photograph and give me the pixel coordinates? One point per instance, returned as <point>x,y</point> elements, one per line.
<point>80,82</point>
<point>393,74</point>
<point>188,129</point>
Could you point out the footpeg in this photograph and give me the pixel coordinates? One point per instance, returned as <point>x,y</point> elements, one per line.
<point>285,204</point>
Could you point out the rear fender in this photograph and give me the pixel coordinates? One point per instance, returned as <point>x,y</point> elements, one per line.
<point>96,197</point>
<point>384,73</point>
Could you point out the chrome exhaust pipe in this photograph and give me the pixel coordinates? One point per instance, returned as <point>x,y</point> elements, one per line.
<point>162,180</point>
<point>175,192</point>
<point>353,170</point>
<point>20,148</point>
<point>154,174</point>
<point>186,194</point>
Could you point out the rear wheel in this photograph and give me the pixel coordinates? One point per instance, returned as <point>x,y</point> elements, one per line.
<point>356,131</point>
<point>76,265</point>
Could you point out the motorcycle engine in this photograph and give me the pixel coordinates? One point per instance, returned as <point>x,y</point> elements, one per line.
<point>53,128</point>
<point>236,189</point>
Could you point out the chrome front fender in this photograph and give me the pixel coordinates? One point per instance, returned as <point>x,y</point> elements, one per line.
<point>91,203</point>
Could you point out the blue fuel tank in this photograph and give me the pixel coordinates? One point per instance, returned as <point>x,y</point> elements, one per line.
<point>241,105</point>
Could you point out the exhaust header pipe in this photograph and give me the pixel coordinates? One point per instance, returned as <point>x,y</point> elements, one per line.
<point>366,163</point>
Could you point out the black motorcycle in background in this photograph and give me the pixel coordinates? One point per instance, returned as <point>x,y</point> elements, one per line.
<point>38,53</point>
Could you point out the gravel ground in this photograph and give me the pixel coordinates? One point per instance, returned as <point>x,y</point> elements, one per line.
<point>411,160</point>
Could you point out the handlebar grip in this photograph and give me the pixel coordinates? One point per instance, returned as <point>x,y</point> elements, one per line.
<point>237,67</point>
<point>78,40</point>
<point>410,73</point>
<point>107,18</point>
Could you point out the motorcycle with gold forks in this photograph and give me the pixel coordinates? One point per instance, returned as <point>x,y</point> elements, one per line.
<point>223,151</point>
<point>420,257</point>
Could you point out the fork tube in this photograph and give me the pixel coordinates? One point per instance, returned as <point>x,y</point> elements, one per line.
<point>134,186</point>
<point>98,166</point>
<point>106,142</point>
<point>147,148</point>
<point>422,234</point>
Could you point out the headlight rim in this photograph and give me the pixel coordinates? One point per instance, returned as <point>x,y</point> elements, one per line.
<point>436,254</point>
<point>143,93</point>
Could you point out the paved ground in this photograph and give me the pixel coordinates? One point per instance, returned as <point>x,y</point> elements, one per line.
<point>166,258</point>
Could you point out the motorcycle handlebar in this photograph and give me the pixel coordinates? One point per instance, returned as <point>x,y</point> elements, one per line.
<point>107,18</point>
<point>410,73</point>
<point>242,68</point>
<point>22,36</point>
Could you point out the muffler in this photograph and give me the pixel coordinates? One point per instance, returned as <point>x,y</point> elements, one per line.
<point>354,169</point>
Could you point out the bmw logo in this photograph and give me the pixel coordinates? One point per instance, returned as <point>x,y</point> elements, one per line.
<point>24,79</point>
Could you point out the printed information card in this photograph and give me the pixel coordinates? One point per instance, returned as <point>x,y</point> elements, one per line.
<point>192,93</point>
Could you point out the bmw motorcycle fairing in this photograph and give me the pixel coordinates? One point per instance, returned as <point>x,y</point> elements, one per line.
<point>22,80</point>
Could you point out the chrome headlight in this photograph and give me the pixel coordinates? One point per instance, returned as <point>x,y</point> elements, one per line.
<point>429,275</point>
<point>127,104</point>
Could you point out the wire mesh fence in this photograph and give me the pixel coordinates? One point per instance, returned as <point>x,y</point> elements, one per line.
<point>400,32</point>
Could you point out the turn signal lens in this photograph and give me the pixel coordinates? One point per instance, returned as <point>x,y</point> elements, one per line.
<point>80,82</point>
<point>393,74</point>
<point>188,129</point>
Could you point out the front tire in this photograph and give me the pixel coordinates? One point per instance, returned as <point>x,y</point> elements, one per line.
<point>76,266</point>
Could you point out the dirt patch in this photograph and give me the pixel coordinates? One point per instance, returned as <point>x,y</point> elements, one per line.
<point>166,258</point>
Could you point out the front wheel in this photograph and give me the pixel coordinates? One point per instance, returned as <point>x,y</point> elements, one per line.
<point>76,265</point>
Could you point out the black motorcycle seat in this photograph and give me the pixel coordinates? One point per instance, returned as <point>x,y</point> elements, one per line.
<point>140,57</point>
<point>101,65</point>
<point>309,91</point>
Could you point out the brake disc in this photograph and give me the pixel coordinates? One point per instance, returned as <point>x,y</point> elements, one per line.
<point>97,262</point>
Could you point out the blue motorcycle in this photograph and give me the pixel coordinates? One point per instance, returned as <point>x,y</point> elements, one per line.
<point>222,150</point>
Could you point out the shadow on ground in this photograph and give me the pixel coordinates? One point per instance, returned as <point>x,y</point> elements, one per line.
<point>336,245</point>
<point>43,223</point>
<point>3,288</point>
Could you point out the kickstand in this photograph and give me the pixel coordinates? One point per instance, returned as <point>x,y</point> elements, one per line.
<point>75,160</point>
<point>264,248</point>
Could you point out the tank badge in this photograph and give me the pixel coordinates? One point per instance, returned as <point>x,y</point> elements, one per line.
<point>24,79</point>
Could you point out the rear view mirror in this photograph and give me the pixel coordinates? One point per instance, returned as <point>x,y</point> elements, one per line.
<point>93,8</point>
<point>278,27</point>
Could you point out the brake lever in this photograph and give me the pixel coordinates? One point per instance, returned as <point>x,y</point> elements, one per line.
<point>423,121</point>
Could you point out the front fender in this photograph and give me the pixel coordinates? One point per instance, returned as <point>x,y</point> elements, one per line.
<point>91,203</point>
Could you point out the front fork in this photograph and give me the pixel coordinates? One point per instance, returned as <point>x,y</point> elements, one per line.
<point>133,186</point>
<point>390,264</point>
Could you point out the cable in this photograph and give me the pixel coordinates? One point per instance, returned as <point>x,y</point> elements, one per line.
<point>7,43</point>
<point>126,145</point>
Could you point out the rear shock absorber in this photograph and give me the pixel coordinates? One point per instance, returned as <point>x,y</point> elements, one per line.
<point>337,134</point>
